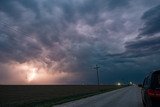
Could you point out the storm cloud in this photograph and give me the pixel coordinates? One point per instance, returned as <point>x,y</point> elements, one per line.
<point>152,21</point>
<point>69,37</point>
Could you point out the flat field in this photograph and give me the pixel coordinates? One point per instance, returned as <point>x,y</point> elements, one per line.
<point>47,95</point>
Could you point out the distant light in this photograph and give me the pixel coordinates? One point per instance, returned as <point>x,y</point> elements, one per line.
<point>130,83</point>
<point>119,84</point>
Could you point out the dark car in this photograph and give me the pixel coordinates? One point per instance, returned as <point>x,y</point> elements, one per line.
<point>151,90</point>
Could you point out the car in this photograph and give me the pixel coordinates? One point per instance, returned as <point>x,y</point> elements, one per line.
<point>151,90</point>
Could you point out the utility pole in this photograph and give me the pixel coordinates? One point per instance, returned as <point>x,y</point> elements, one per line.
<point>97,70</point>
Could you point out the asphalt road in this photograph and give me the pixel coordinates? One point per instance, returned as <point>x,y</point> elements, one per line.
<point>125,97</point>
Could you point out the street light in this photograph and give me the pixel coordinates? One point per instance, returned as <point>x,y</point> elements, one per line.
<point>119,84</point>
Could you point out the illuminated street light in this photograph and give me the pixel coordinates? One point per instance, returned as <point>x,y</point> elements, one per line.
<point>119,84</point>
<point>130,83</point>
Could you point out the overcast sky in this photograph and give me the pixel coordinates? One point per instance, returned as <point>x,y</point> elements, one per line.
<point>60,41</point>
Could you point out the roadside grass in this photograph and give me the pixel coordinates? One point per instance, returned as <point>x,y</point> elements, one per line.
<point>48,96</point>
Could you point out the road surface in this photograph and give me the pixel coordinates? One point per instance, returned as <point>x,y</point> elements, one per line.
<point>125,97</point>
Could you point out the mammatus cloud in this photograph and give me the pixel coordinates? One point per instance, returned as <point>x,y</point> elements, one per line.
<point>59,42</point>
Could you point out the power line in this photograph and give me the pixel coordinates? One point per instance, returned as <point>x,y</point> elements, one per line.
<point>10,28</point>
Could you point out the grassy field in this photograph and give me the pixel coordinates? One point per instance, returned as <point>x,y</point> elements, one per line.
<point>47,95</point>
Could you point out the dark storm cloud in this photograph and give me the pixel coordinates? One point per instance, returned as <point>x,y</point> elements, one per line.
<point>113,4</point>
<point>141,48</point>
<point>75,35</point>
<point>152,21</point>
<point>15,44</point>
<point>140,51</point>
<point>31,4</point>
<point>88,10</point>
<point>149,45</point>
<point>10,9</point>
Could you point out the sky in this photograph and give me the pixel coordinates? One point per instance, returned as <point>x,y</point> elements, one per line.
<point>61,41</point>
